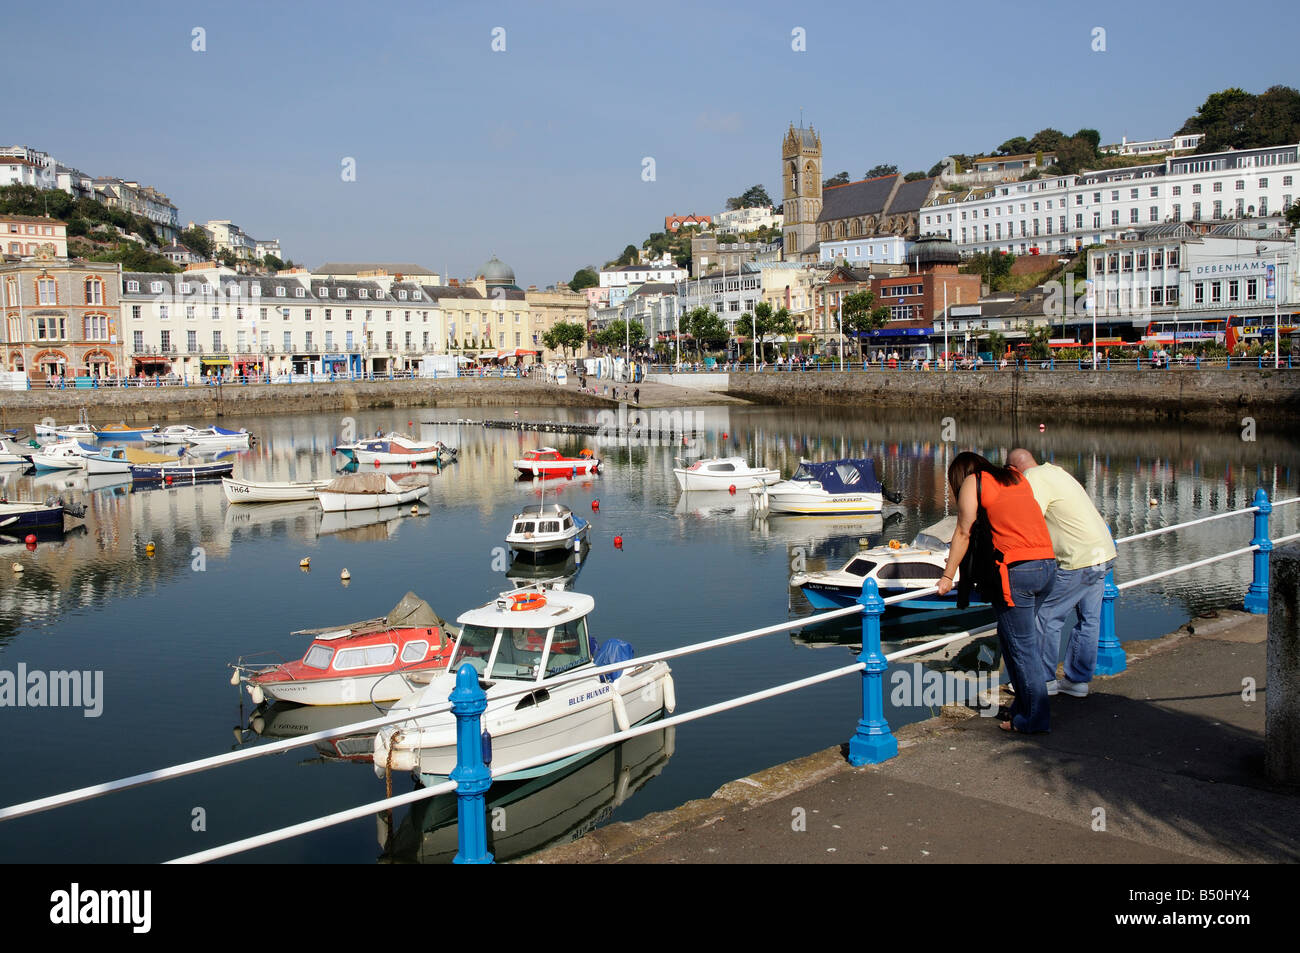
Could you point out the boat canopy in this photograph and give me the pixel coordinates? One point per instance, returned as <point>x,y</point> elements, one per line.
<point>938,536</point>
<point>841,476</point>
<point>535,510</point>
<point>378,482</point>
<point>412,612</point>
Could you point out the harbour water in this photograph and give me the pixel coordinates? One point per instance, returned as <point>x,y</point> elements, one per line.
<point>225,581</point>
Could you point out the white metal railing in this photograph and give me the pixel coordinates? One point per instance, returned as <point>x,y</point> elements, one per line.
<point>216,761</point>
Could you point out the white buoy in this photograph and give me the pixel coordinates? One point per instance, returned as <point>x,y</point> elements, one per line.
<point>305,562</point>
<point>620,712</point>
<point>670,695</point>
<point>415,510</point>
<point>1155,502</point>
<point>18,567</point>
<point>345,575</point>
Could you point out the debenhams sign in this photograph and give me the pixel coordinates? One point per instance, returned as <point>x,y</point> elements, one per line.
<point>1249,266</point>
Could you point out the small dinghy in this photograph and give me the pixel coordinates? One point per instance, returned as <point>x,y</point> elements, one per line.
<point>370,491</point>
<point>247,491</point>
<point>188,469</point>
<point>358,662</point>
<point>530,649</point>
<point>897,568</point>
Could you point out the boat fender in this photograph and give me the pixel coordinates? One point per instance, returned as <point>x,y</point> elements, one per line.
<point>234,677</point>
<point>670,695</point>
<point>620,711</point>
<point>256,694</point>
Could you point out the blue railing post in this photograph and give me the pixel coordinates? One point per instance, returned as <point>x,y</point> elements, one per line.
<point>873,742</point>
<point>1110,654</point>
<point>468,702</point>
<point>1257,595</point>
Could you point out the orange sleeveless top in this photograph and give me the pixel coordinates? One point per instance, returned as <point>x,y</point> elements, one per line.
<point>1019,530</point>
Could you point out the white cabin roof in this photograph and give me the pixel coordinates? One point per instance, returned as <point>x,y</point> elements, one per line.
<point>560,607</point>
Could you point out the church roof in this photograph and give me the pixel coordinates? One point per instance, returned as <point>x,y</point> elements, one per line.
<point>911,196</point>
<point>883,195</point>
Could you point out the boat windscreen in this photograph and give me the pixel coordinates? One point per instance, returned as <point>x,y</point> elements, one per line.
<point>859,567</point>
<point>318,656</point>
<point>475,647</point>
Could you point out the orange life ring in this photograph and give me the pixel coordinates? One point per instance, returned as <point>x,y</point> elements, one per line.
<point>524,601</point>
<point>585,453</point>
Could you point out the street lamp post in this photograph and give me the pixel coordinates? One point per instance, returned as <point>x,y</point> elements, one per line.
<point>839,313</point>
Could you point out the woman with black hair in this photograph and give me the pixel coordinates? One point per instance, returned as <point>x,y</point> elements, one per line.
<point>1025,564</point>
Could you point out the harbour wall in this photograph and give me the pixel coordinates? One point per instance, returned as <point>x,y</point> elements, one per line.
<point>20,409</point>
<point>1217,396</point>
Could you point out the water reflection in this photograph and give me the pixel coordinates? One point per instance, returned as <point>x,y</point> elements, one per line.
<point>524,817</point>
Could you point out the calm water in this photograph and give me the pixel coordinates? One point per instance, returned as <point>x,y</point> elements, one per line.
<point>225,582</point>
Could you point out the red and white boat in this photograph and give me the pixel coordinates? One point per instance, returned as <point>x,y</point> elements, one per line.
<point>373,660</point>
<point>547,461</point>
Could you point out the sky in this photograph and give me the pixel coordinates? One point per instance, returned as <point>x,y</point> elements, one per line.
<point>536,151</point>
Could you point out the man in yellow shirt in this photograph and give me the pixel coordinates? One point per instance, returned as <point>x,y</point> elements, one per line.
<point>1085,552</point>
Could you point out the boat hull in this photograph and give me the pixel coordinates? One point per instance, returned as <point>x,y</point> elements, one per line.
<point>159,474</point>
<point>351,690</point>
<point>550,546</point>
<point>243,491</point>
<point>690,480</point>
<point>568,468</point>
<point>346,502</point>
<point>15,517</point>
<point>573,713</point>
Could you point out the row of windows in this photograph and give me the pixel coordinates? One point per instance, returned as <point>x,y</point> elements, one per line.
<point>47,292</point>
<point>191,313</point>
<point>1121,262</point>
<point>16,229</point>
<point>255,291</point>
<point>241,342</point>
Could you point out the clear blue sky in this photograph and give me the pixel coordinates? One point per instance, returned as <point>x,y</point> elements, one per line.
<point>535,153</point>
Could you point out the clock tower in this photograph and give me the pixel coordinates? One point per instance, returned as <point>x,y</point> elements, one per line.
<point>801,182</point>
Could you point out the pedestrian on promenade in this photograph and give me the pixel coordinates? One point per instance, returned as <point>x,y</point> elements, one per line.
<point>636,395</point>
<point>1085,552</point>
<point>1026,565</point>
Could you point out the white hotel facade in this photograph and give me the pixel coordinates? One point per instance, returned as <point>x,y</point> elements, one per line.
<point>1060,214</point>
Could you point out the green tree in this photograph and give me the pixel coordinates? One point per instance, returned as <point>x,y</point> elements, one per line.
<point>226,257</point>
<point>584,278</point>
<point>706,329</point>
<point>1293,214</point>
<point>621,333</point>
<point>1236,119</point>
<point>273,263</point>
<point>1039,348</point>
<point>1016,146</point>
<point>781,324</point>
<point>1090,136</point>
<point>839,178</point>
<point>1045,140</point>
<point>563,336</point>
<point>197,241</point>
<point>860,316</point>
<point>629,256</point>
<point>753,197</point>
<point>913,176</point>
<point>1075,154</point>
<point>882,169</point>
<point>997,344</point>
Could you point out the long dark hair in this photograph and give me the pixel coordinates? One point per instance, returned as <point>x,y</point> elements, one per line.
<point>967,463</point>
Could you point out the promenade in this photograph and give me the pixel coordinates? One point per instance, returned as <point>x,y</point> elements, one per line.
<point>1162,763</point>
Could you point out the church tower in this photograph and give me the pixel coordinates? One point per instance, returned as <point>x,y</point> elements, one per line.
<point>801,178</point>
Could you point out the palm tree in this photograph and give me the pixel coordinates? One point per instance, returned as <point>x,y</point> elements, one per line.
<point>997,344</point>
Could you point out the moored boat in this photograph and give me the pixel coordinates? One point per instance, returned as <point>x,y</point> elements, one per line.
<point>188,469</point>
<point>544,529</point>
<point>897,568</point>
<point>218,437</point>
<point>530,649</point>
<point>121,459</point>
<point>358,662</point>
<point>400,449</point>
<point>176,433</point>
<point>723,473</point>
<point>248,491</point>
<point>836,486</point>
<point>369,491</point>
<point>82,431</point>
<point>18,516</point>
<point>547,461</point>
<point>121,431</point>
<point>68,455</point>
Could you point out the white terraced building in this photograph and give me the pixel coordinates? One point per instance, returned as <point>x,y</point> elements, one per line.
<point>1059,214</point>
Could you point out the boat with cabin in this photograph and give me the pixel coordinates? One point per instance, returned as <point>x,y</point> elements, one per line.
<point>357,662</point>
<point>723,473</point>
<point>530,649</point>
<point>121,459</point>
<point>833,487</point>
<point>897,568</point>
<point>547,461</point>
<point>546,529</point>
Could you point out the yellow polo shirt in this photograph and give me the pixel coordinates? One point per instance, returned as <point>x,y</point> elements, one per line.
<point>1079,534</point>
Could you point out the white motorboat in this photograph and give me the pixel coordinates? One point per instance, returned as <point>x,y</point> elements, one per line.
<point>398,448</point>
<point>723,473</point>
<point>218,437</point>
<point>177,433</point>
<point>546,528</point>
<point>82,431</point>
<point>247,491</point>
<point>69,455</point>
<point>530,648</point>
<point>370,491</point>
<point>837,486</point>
<point>11,452</point>
<point>897,568</point>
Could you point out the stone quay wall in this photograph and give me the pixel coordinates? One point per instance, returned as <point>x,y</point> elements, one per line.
<point>1218,396</point>
<point>20,409</point>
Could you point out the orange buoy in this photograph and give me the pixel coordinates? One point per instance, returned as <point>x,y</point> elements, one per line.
<point>618,542</point>
<point>595,506</point>
<point>732,489</point>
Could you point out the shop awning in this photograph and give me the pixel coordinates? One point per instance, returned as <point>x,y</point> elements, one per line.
<point>222,361</point>
<point>149,360</point>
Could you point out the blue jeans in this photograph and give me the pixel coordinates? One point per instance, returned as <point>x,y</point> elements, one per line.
<point>1080,591</point>
<point>1021,641</point>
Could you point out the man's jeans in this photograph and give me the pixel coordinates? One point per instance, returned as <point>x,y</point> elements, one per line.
<point>1078,591</point>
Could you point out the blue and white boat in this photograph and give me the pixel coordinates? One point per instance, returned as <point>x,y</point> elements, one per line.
<point>188,469</point>
<point>834,487</point>
<point>546,529</point>
<point>19,516</point>
<point>897,568</point>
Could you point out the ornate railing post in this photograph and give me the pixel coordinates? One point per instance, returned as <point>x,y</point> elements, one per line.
<point>472,777</point>
<point>873,742</point>
<point>1257,595</point>
<point>1110,654</point>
